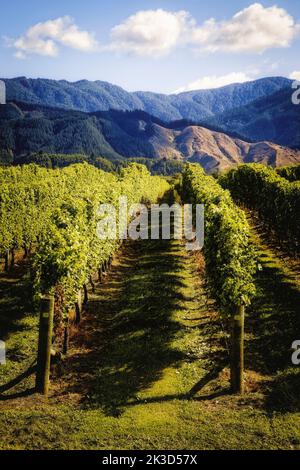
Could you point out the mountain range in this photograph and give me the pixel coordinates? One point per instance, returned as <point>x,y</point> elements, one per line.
<point>29,128</point>
<point>101,96</point>
<point>274,118</point>
<point>253,121</point>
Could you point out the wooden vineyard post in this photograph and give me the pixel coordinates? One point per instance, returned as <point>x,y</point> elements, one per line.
<point>26,251</point>
<point>78,307</point>
<point>44,346</point>
<point>85,295</point>
<point>237,351</point>
<point>12,259</point>
<point>6,268</point>
<point>66,339</point>
<point>92,283</point>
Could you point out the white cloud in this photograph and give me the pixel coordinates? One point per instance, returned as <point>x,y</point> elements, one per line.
<point>155,33</point>
<point>253,29</point>
<point>295,75</point>
<point>44,38</point>
<point>152,32</point>
<point>214,81</point>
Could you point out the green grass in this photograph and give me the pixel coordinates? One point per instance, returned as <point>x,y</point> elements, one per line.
<point>19,330</point>
<point>148,367</point>
<point>156,426</point>
<point>273,323</point>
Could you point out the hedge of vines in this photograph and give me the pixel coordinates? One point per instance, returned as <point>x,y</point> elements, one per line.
<point>276,200</point>
<point>56,212</point>
<point>229,255</point>
<point>289,172</point>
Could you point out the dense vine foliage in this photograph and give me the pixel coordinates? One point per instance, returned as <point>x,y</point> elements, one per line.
<point>289,172</point>
<point>229,256</point>
<point>57,212</point>
<point>276,200</point>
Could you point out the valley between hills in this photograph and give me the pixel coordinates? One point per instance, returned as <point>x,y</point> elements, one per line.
<point>240,123</point>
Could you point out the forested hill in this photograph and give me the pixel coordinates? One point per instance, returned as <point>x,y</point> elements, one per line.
<point>26,129</point>
<point>100,96</point>
<point>273,118</point>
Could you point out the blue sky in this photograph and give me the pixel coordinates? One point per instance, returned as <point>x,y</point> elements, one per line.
<point>160,45</point>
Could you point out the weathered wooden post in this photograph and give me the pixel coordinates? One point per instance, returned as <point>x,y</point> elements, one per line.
<point>7,256</point>
<point>237,351</point>
<point>85,294</point>
<point>78,307</point>
<point>45,343</point>
<point>25,251</point>
<point>100,274</point>
<point>12,259</point>
<point>66,338</point>
<point>92,283</point>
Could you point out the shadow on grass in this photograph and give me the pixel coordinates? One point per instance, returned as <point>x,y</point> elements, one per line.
<point>273,320</point>
<point>15,303</point>
<point>136,308</point>
<point>274,323</point>
<point>15,306</point>
<point>130,327</point>
<point>282,393</point>
<point>12,383</point>
<point>15,382</point>
<point>212,375</point>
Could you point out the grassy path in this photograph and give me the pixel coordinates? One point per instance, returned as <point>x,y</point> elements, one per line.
<point>142,328</point>
<point>147,369</point>
<point>274,322</point>
<point>19,330</point>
